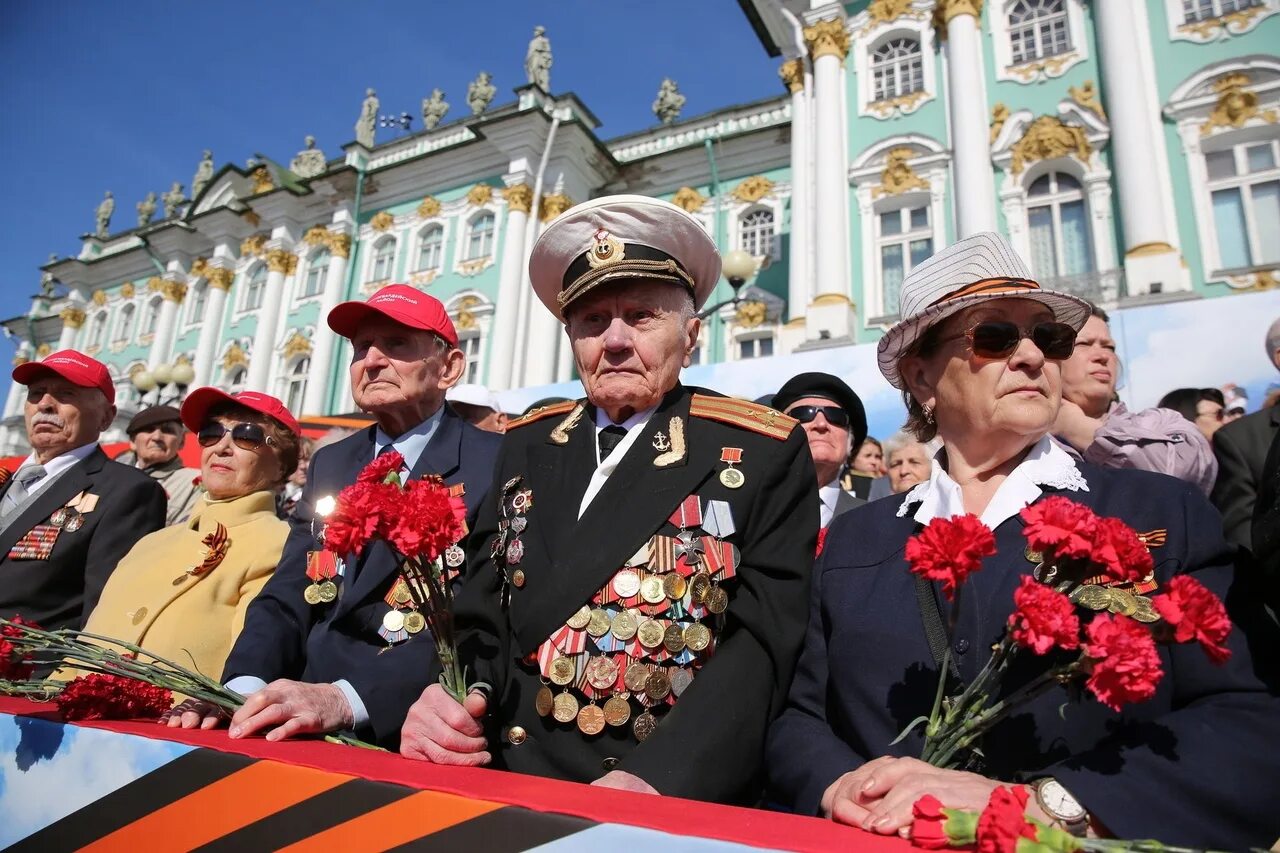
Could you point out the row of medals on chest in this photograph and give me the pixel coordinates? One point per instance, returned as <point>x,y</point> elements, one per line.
<point>404,614</point>
<point>650,683</point>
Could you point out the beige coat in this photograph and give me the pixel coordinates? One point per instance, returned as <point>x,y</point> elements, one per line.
<point>152,601</point>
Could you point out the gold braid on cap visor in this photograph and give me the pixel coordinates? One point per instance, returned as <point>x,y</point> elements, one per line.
<point>667,270</point>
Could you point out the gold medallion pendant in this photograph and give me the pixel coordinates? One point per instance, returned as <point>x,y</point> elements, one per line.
<point>544,702</point>
<point>643,726</point>
<point>565,708</point>
<point>617,711</point>
<point>563,671</point>
<point>591,720</point>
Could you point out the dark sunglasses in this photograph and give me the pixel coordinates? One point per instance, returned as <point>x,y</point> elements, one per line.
<point>998,339</point>
<point>246,436</point>
<point>835,415</point>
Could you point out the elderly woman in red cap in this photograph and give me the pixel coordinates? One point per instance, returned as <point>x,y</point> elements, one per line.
<point>182,592</point>
<point>978,353</point>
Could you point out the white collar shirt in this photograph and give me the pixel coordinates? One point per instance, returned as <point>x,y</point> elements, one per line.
<point>634,425</point>
<point>409,444</point>
<point>57,465</point>
<point>828,495</point>
<point>1046,464</point>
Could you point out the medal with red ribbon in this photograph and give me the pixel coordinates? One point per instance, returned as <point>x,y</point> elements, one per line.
<point>322,568</point>
<point>731,478</point>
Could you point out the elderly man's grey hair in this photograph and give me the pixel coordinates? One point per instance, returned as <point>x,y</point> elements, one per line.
<point>896,442</point>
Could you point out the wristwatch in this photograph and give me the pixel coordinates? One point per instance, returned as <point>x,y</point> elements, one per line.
<point>1057,803</point>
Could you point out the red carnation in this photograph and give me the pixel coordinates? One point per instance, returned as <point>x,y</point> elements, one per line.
<point>381,467</point>
<point>1125,666</point>
<point>112,697</point>
<point>1043,618</point>
<point>1195,613</point>
<point>427,521</point>
<point>1119,551</point>
<point>361,511</point>
<point>1059,526</point>
<point>949,550</point>
<point>15,665</point>
<point>1004,821</point>
<point>928,824</point>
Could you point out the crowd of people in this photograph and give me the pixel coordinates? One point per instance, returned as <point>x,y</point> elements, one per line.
<point>638,597</point>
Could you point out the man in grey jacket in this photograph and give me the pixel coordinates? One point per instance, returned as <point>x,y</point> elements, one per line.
<point>156,435</point>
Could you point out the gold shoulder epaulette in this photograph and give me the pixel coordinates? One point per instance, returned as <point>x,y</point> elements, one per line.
<point>742,413</point>
<point>542,412</point>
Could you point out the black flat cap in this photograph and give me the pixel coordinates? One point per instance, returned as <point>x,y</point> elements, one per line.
<point>152,417</point>
<point>827,387</point>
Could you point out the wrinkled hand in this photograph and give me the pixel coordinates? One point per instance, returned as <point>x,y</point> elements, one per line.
<point>193,713</point>
<point>293,708</point>
<point>878,796</point>
<point>440,730</point>
<point>623,781</point>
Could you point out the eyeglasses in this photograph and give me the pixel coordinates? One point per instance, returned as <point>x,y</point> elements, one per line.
<point>835,415</point>
<point>999,339</point>
<point>244,435</point>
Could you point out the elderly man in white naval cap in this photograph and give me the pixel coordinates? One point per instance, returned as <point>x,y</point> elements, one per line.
<point>478,406</point>
<point>638,578</point>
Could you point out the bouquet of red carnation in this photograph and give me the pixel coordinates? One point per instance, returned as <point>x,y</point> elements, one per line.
<point>1084,561</point>
<point>418,520</point>
<point>112,697</point>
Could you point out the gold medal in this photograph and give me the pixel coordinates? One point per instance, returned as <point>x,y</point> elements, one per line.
<point>312,594</point>
<point>544,701</point>
<point>565,708</point>
<point>1146,611</point>
<point>563,671</point>
<point>414,622</point>
<point>624,625</point>
<point>393,621</point>
<point>580,618</point>
<point>598,622</point>
<point>652,590</point>
<point>617,711</point>
<point>635,677</point>
<point>1092,597</point>
<point>717,600</point>
<point>1122,602</point>
<point>657,687</point>
<point>697,636</point>
<point>673,639</point>
<point>602,673</point>
<point>328,592</point>
<point>626,583</point>
<point>650,634</point>
<point>401,595</point>
<point>591,720</point>
<point>674,586</point>
<point>732,478</point>
<point>643,726</point>
<point>699,586</point>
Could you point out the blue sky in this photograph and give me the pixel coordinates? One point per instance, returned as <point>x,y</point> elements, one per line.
<point>124,96</point>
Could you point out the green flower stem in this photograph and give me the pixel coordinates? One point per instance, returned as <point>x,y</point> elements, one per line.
<point>973,727</point>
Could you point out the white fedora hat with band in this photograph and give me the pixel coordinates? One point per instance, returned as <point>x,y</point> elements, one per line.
<point>974,269</point>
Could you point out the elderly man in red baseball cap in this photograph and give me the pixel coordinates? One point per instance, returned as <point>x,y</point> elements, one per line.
<point>68,514</point>
<point>329,644</point>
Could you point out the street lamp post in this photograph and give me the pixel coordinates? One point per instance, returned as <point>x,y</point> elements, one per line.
<point>738,266</point>
<point>177,376</point>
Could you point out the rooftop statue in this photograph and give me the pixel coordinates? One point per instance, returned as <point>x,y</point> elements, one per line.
<point>434,109</point>
<point>146,209</point>
<point>537,60</point>
<point>669,103</point>
<point>105,209</point>
<point>368,119</point>
<point>309,162</point>
<point>480,93</point>
<point>173,200</point>
<point>204,174</point>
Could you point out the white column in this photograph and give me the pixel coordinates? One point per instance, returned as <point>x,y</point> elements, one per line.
<point>323,342</point>
<point>799,286</point>
<point>13,401</point>
<point>502,349</point>
<point>1150,238</point>
<point>975,190</point>
<point>218,282</point>
<point>829,44</point>
<point>162,344</point>
<point>72,319</point>
<point>279,262</point>
<point>544,330</point>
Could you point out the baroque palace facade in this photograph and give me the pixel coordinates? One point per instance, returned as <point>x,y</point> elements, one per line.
<point>1130,149</point>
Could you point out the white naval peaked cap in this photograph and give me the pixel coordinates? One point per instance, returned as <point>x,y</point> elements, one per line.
<point>977,268</point>
<point>620,237</point>
<point>472,394</point>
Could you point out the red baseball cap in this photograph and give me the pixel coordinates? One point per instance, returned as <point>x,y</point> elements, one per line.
<point>73,366</point>
<point>199,401</point>
<point>406,305</point>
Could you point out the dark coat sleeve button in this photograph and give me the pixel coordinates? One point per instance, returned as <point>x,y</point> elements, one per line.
<point>962,646</point>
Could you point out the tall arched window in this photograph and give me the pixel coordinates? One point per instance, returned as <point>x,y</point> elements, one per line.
<point>1244,185</point>
<point>254,288</point>
<point>196,305</point>
<point>295,389</point>
<point>384,258</point>
<point>480,237</point>
<point>431,249</point>
<point>1058,225</point>
<point>128,323</point>
<point>317,267</point>
<point>470,344</point>
<point>757,233</point>
<point>151,317</point>
<point>98,330</point>
<point>904,237</point>
<point>1038,29</point>
<point>897,68</point>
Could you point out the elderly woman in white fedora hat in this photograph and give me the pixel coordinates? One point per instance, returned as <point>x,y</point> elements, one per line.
<point>977,353</point>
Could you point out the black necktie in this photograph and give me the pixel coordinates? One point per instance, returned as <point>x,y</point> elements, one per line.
<point>608,439</point>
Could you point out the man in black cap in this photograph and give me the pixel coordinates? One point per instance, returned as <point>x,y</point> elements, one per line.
<point>155,437</point>
<point>835,422</point>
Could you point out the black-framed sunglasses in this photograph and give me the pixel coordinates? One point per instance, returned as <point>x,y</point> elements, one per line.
<point>835,415</point>
<point>999,339</point>
<point>244,435</point>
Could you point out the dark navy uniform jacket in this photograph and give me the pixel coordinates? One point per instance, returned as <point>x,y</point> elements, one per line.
<point>284,637</point>
<point>1194,765</point>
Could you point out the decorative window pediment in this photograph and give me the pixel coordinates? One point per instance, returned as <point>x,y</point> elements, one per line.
<point>1205,21</point>
<point>1034,40</point>
<point>894,57</point>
